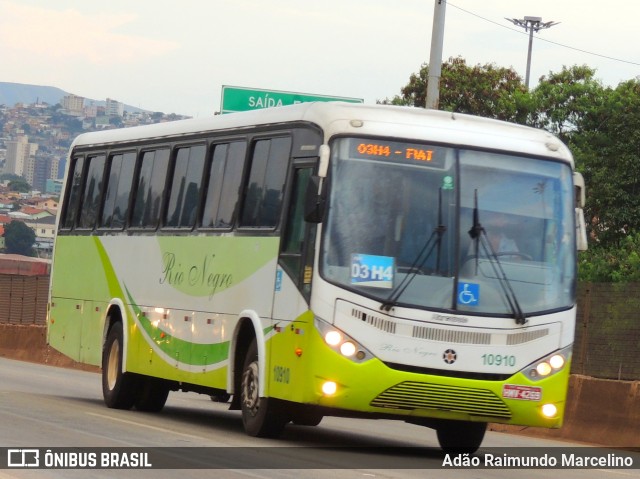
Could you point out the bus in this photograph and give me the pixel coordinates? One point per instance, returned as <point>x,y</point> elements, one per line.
<point>325,259</point>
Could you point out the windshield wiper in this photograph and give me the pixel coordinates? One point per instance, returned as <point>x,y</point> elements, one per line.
<point>479,236</point>
<point>435,239</point>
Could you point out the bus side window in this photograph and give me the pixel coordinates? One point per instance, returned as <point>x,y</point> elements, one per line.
<point>119,179</point>
<point>185,188</point>
<point>225,181</point>
<point>92,189</point>
<point>264,188</point>
<point>149,189</point>
<point>73,193</point>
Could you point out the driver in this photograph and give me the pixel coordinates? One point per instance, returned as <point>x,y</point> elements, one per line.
<point>496,227</point>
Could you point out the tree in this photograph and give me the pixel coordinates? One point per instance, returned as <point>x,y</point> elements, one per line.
<point>611,263</point>
<point>607,148</point>
<point>19,238</point>
<point>484,90</point>
<point>561,101</point>
<point>20,186</point>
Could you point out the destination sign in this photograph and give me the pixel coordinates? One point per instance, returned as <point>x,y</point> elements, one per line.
<point>397,151</point>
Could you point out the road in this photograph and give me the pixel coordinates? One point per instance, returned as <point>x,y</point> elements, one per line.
<point>48,407</point>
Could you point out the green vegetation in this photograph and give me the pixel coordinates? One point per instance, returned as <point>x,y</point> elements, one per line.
<point>19,238</point>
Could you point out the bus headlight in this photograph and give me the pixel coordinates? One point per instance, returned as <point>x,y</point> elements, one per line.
<point>348,349</point>
<point>333,338</point>
<point>342,343</point>
<point>557,361</point>
<point>544,368</point>
<point>549,365</point>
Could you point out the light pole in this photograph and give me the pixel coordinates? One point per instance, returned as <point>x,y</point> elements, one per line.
<point>531,24</point>
<point>435,59</point>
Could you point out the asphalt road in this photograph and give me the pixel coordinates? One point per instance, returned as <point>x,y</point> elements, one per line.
<point>48,407</point>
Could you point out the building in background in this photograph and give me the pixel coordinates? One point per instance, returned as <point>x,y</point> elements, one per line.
<point>73,104</point>
<point>45,167</point>
<point>21,157</point>
<point>53,187</point>
<point>113,108</point>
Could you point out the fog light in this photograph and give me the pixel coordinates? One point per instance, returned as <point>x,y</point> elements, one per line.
<point>348,349</point>
<point>557,361</point>
<point>333,338</point>
<point>544,369</point>
<point>329,388</point>
<point>549,410</point>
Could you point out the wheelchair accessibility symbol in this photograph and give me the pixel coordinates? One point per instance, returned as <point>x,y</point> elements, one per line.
<point>468,294</point>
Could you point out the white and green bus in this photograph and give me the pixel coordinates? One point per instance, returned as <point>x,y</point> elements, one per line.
<point>325,259</point>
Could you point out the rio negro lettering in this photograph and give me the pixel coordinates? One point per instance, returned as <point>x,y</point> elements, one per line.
<point>195,275</point>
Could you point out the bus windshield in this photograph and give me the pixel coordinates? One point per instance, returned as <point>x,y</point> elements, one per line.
<point>445,228</point>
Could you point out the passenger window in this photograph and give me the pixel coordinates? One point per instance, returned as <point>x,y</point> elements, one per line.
<point>119,179</point>
<point>265,185</point>
<point>74,184</point>
<point>149,188</point>
<point>225,180</point>
<point>91,197</point>
<point>185,188</point>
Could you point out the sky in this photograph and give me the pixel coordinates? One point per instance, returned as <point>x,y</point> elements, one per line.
<point>174,56</point>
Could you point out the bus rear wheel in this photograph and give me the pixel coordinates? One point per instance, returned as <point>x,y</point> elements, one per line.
<point>259,417</point>
<point>151,394</point>
<point>118,387</point>
<point>461,437</point>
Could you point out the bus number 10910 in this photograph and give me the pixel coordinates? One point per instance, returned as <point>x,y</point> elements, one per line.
<point>498,360</point>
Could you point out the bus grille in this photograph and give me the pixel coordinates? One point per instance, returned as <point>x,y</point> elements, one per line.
<point>414,395</point>
<point>451,336</point>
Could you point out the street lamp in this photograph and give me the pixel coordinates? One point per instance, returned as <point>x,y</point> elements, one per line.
<point>435,60</point>
<point>531,24</point>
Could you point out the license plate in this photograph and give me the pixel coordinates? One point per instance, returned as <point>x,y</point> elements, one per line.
<point>525,393</point>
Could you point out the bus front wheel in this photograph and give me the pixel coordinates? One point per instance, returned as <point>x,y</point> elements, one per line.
<point>259,417</point>
<point>461,437</point>
<point>118,388</point>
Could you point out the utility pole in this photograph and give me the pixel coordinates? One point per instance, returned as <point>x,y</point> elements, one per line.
<point>435,59</point>
<point>531,24</point>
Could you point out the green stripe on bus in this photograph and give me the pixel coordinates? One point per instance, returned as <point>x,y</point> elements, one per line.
<point>194,354</point>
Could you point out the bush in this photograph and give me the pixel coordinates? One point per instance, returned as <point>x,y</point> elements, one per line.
<point>612,264</point>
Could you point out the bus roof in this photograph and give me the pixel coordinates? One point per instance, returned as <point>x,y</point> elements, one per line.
<point>358,119</point>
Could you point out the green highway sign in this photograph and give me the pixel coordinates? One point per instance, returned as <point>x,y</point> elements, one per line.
<point>243,99</point>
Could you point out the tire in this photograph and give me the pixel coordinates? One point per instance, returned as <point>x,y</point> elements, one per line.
<point>259,417</point>
<point>221,397</point>
<point>461,437</point>
<point>151,394</point>
<point>118,388</point>
<point>306,418</point>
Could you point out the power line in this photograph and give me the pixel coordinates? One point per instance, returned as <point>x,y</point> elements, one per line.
<point>545,40</point>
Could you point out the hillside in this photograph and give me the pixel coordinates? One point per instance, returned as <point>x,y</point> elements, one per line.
<point>12,93</point>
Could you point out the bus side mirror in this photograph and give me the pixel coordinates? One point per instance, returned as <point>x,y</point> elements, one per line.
<point>581,231</point>
<point>580,200</point>
<point>315,201</point>
<point>578,185</point>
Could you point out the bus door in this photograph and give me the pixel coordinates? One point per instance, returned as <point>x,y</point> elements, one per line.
<point>295,264</point>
